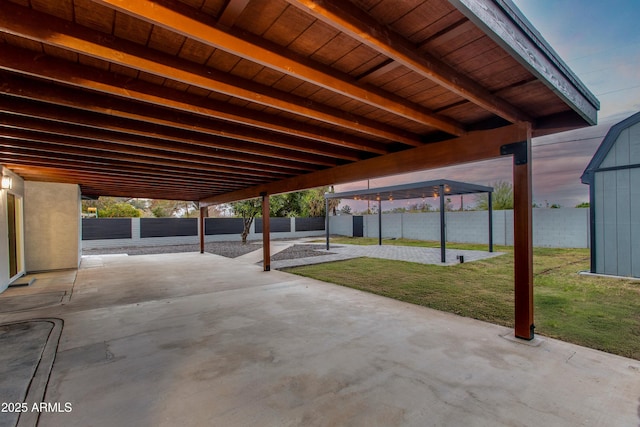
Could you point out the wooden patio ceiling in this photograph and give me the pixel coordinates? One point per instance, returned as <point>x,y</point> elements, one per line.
<point>218,100</point>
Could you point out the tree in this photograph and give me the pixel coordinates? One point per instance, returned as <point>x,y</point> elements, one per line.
<point>169,208</point>
<point>448,205</point>
<point>217,211</point>
<point>247,210</point>
<point>502,197</point>
<point>119,210</point>
<point>306,203</point>
<point>112,207</point>
<point>346,210</point>
<point>420,207</point>
<point>285,205</point>
<point>163,208</point>
<point>314,204</point>
<point>583,205</point>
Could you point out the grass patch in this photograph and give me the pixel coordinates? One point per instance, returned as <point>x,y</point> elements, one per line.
<point>595,312</point>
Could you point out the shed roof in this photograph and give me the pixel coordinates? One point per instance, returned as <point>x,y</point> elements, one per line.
<point>605,146</point>
<point>415,190</point>
<point>219,100</point>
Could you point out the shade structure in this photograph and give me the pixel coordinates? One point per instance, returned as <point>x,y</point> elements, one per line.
<point>211,100</point>
<point>225,100</point>
<point>417,190</point>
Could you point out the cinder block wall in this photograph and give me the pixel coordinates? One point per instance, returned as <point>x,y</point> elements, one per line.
<point>52,226</point>
<point>561,228</point>
<point>551,228</point>
<point>557,228</point>
<point>137,240</point>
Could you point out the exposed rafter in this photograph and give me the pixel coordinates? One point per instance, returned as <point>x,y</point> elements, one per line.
<point>219,101</point>
<point>14,20</point>
<point>476,146</point>
<point>200,27</point>
<point>287,133</point>
<point>353,21</point>
<point>208,101</point>
<point>231,12</point>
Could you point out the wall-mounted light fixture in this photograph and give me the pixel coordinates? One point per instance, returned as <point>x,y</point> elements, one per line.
<point>7,183</point>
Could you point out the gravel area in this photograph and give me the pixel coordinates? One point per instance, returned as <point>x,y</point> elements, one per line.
<point>301,251</point>
<point>226,249</point>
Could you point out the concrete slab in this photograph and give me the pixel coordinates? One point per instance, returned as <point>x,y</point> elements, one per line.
<point>198,339</point>
<point>23,281</point>
<point>28,352</point>
<point>48,289</point>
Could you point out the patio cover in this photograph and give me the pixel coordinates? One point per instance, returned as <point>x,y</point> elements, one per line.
<point>224,100</point>
<point>416,190</point>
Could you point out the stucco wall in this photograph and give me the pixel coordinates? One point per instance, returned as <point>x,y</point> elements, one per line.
<point>52,226</point>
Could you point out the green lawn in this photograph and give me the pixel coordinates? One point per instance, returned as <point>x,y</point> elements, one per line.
<point>596,312</point>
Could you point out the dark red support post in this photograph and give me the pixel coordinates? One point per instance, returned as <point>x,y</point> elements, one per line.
<point>266,237</point>
<point>522,236</point>
<point>203,215</point>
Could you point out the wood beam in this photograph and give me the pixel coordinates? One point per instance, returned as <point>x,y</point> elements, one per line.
<point>92,162</point>
<point>346,17</point>
<point>51,31</point>
<point>231,12</point>
<point>113,185</point>
<point>170,124</point>
<point>92,174</point>
<point>125,142</point>
<point>475,146</point>
<point>45,144</point>
<point>192,24</point>
<point>179,191</point>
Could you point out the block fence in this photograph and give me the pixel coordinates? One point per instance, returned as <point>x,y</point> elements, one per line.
<point>554,228</point>
<point>557,228</point>
<point>128,232</point>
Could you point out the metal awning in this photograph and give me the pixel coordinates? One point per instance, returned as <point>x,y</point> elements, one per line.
<point>416,190</point>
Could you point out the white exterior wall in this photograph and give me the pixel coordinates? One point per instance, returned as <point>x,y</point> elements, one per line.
<point>52,226</point>
<point>18,190</point>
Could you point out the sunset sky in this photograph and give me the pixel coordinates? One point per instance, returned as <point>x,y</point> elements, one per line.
<point>600,42</point>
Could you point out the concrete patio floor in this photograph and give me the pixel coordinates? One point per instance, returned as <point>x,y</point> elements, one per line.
<point>197,339</point>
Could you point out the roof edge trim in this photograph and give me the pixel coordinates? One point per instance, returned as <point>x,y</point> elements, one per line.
<point>503,22</point>
<point>605,146</point>
<point>457,187</point>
